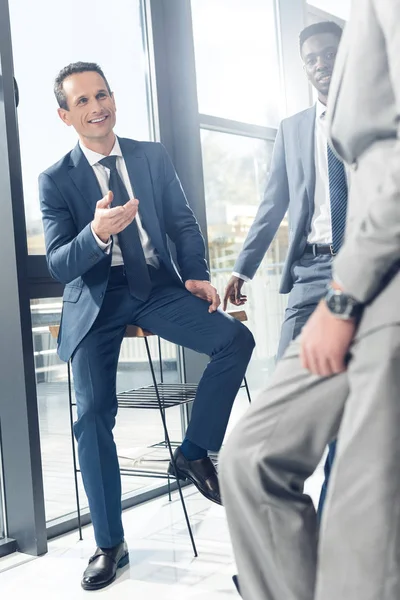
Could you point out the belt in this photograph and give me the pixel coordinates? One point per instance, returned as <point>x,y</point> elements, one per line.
<point>316,249</point>
<point>118,274</point>
<point>117,270</point>
<point>120,269</point>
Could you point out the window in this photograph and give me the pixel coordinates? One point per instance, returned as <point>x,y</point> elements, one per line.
<point>113,36</point>
<point>110,34</point>
<point>237,64</point>
<point>235,173</point>
<point>240,105</point>
<point>135,432</point>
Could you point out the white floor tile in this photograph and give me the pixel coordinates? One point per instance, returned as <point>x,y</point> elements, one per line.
<point>161,566</point>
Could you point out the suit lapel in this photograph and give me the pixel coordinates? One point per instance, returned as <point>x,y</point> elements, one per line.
<point>84,178</point>
<point>306,132</point>
<point>139,175</point>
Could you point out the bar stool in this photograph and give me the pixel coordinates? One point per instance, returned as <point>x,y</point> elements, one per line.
<point>159,396</point>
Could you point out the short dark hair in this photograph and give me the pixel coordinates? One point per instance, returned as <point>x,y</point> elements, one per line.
<point>318,28</point>
<point>77,67</point>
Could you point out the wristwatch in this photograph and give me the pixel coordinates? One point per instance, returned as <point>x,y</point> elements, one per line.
<point>341,305</point>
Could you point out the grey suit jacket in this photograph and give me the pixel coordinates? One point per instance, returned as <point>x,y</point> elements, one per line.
<point>363,115</point>
<point>290,187</point>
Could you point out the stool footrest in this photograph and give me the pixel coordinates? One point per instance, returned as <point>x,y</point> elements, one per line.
<point>171,394</point>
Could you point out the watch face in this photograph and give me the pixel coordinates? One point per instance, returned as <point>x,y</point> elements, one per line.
<point>337,303</point>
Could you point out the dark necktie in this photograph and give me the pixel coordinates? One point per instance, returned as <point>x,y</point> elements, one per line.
<point>338,198</point>
<point>137,273</point>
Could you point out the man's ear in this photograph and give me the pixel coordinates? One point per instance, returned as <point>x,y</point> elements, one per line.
<point>113,99</point>
<point>64,116</point>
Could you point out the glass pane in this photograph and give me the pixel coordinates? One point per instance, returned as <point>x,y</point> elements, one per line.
<point>42,45</point>
<point>337,8</point>
<point>237,61</point>
<point>235,173</point>
<point>135,432</point>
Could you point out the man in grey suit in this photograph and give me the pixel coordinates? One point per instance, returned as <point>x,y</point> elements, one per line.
<point>304,180</point>
<point>341,377</point>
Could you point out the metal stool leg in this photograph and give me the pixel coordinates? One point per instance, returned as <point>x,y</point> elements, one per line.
<point>169,488</point>
<point>247,388</point>
<point>165,416</point>
<point>160,359</point>
<point>160,405</point>
<point>71,419</point>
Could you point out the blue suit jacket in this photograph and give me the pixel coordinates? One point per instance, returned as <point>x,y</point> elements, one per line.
<point>290,187</point>
<point>69,191</point>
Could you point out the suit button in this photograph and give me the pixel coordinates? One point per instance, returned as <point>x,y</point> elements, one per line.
<point>101,295</point>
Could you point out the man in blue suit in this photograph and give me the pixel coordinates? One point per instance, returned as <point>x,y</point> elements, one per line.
<point>305,180</point>
<point>108,208</point>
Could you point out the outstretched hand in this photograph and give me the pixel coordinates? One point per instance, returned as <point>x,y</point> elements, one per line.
<point>110,221</point>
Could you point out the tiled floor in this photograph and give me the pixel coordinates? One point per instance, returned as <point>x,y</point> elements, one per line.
<point>161,560</point>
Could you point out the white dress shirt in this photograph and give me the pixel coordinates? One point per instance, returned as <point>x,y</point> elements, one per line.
<point>103,176</point>
<point>321,226</point>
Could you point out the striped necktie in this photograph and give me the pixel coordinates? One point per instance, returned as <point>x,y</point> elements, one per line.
<point>137,273</point>
<point>338,198</point>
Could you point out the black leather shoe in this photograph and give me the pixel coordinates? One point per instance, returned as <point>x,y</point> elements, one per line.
<point>103,565</point>
<point>236,582</point>
<point>201,473</point>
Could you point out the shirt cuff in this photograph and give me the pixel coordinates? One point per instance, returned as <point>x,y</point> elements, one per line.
<point>246,279</point>
<point>103,245</point>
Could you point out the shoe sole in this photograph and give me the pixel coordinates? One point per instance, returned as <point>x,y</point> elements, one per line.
<point>122,563</point>
<point>182,477</point>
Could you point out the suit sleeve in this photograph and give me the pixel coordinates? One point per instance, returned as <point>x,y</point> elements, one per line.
<point>269,215</point>
<point>69,254</point>
<point>182,226</point>
<point>373,249</point>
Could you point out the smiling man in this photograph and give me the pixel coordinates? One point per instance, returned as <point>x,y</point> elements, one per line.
<point>309,182</point>
<point>109,207</point>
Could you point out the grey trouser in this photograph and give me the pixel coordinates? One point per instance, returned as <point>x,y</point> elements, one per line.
<point>277,446</point>
<point>311,274</point>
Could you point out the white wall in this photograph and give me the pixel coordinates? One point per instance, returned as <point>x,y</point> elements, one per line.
<point>338,8</point>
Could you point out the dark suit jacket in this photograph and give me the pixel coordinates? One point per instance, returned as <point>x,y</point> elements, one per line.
<point>290,187</point>
<point>69,191</point>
